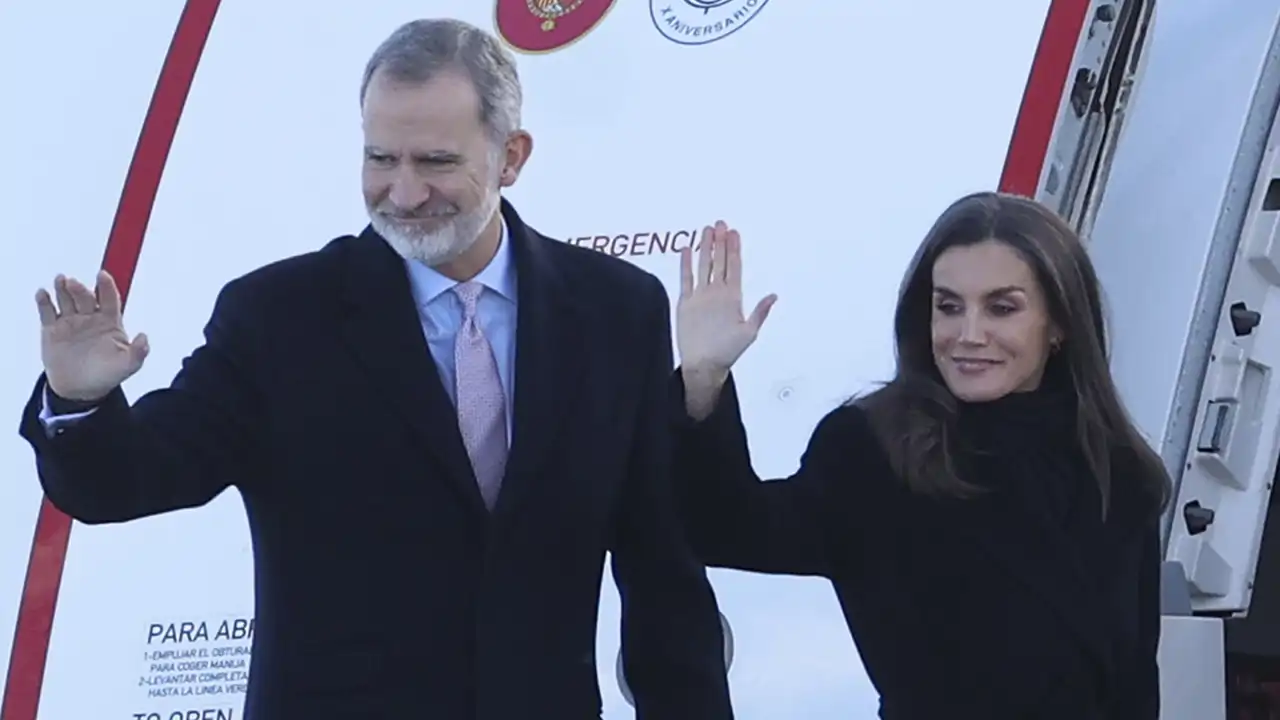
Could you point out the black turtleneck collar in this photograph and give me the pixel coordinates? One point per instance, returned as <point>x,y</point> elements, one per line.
<point>1042,417</point>
<point>1025,443</point>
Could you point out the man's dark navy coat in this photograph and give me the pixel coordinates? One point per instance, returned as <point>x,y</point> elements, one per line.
<point>384,587</point>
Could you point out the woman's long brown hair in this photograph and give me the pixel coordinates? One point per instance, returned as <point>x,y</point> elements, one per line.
<point>914,414</point>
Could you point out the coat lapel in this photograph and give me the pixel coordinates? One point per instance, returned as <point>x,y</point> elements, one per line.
<point>549,364</point>
<point>383,329</point>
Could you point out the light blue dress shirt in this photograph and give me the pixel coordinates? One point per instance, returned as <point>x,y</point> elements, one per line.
<point>441,314</point>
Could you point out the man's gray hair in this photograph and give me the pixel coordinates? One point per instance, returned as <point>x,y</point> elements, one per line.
<point>421,49</point>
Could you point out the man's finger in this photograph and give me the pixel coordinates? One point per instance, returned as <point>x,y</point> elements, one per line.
<point>139,349</point>
<point>83,297</point>
<point>66,305</point>
<point>108,294</point>
<point>44,305</point>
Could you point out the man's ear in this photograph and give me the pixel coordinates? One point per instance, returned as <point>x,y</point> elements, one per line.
<point>516,153</point>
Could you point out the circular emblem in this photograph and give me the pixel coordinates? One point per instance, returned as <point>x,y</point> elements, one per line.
<point>698,22</point>
<point>542,26</point>
<point>552,10</point>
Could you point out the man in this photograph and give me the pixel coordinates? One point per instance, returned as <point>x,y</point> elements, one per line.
<point>438,428</point>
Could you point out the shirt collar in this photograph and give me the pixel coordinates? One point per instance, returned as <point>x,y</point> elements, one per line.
<point>498,276</point>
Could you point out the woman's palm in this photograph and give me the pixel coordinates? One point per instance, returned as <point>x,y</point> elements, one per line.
<point>711,330</point>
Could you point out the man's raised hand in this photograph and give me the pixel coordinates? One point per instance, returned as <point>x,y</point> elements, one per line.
<point>85,349</point>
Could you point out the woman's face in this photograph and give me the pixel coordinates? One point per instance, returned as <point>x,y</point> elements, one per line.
<point>992,334</point>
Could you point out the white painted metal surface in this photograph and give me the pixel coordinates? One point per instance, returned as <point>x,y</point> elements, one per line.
<point>1182,190</point>
<point>1191,669</point>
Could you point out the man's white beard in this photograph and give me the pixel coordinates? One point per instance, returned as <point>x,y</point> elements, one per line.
<point>437,247</point>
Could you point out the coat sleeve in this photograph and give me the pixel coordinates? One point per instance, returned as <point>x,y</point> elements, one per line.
<point>737,520</point>
<point>672,644</point>
<point>176,447</point>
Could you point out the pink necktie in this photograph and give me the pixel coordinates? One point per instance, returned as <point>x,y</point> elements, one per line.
<point>482,407</point>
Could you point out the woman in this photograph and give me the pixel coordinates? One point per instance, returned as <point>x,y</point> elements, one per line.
<point>989,518</point>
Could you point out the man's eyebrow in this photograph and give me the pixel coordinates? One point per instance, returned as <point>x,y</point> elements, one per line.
<point>428,156</point>
<point>438,156</point>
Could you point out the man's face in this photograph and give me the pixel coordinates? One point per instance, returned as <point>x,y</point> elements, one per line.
<point>431,175</point>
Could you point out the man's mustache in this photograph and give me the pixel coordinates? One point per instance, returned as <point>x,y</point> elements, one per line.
<point>419,214</point>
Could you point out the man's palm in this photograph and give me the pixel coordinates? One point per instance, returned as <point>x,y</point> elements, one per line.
<point>711,330</point>
<point>85,349</point>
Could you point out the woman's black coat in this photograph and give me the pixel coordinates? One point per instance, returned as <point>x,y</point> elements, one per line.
<point>1022,603</point>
